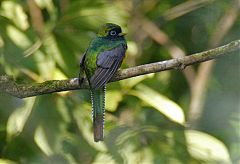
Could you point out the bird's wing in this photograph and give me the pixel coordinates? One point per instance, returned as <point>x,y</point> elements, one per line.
<point>81,62</point>
<point>81,68</point>
<point>108,63</point>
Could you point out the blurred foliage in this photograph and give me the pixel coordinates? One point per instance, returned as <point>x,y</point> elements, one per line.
<point>146,116</point>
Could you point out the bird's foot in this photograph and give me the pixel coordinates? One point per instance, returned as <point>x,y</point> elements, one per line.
<point>80,80</point>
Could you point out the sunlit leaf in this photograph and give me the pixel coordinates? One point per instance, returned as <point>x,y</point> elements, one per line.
<point>104,158</point>
<point>17,14</point>
<point>52,49</point>
<point>84,122</point>
<point>160,102</point>
<point>132,48</point>
<point>1,42</point>
<point>67,48</point>
<point>112,100</point>
<point>32,75</point>
<point>59,75</point>
<point>164,77</point>
<point>62,108</point>
<point>130,154</point>
<point>18,118</point>
<point>41,140</point>
<point>18,37</point>
<point>206,147</point>
<point>6,161</point>
<point>129,83</point>
<point>135,132</point>
<point>44,65</point>
<point>143,155</point>
<point>51,125</point>
<point>235,122</point>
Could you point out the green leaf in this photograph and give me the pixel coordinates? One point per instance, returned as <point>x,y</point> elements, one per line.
<point>18,37</point>
<point>50,124</point>
<point>1,42</point>
<point>44,62</point>
<point>129,83</point>
<point>41,140</point>
<point>112,100</point>
<point>84,123</point>
<point>19,117</point>
<point>17,14</point>
<point>206,147</point>
<point>163,104</point>
<point>132,49</point>
<point>51,48</point>
<point>6,161</point>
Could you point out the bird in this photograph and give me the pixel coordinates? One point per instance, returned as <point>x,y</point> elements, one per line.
<point>99,63</point>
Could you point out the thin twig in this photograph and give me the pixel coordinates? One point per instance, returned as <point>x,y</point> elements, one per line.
<point>8,85</point>
<point>184,8</point>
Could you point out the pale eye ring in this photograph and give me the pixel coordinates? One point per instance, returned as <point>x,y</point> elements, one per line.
<point>113,33</point>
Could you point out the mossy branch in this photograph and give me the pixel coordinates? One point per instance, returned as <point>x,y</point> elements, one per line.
<point>8,85</point>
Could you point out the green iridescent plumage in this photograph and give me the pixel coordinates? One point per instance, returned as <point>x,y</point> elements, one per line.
<point>100,62</point>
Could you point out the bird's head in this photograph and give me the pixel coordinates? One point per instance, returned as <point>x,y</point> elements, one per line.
<point>110,30</point>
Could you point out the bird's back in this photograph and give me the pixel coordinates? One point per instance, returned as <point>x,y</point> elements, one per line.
<point>98,46</point>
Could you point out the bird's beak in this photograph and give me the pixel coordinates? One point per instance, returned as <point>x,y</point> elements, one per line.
<point>121,34</point>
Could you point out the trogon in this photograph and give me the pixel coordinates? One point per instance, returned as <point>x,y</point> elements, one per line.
<point>100,62</point>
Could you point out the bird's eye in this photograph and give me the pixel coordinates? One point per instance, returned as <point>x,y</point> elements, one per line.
<point>113,33</point>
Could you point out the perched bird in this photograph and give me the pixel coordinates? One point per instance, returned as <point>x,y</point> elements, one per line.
<point>100,62</point>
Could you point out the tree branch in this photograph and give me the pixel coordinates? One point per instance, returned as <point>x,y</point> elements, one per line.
<point>8,85</point>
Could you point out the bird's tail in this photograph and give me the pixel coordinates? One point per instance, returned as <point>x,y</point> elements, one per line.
<point>98,112</point>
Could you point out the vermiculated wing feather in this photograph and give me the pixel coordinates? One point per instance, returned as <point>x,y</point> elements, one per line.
<point>108,63</point>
